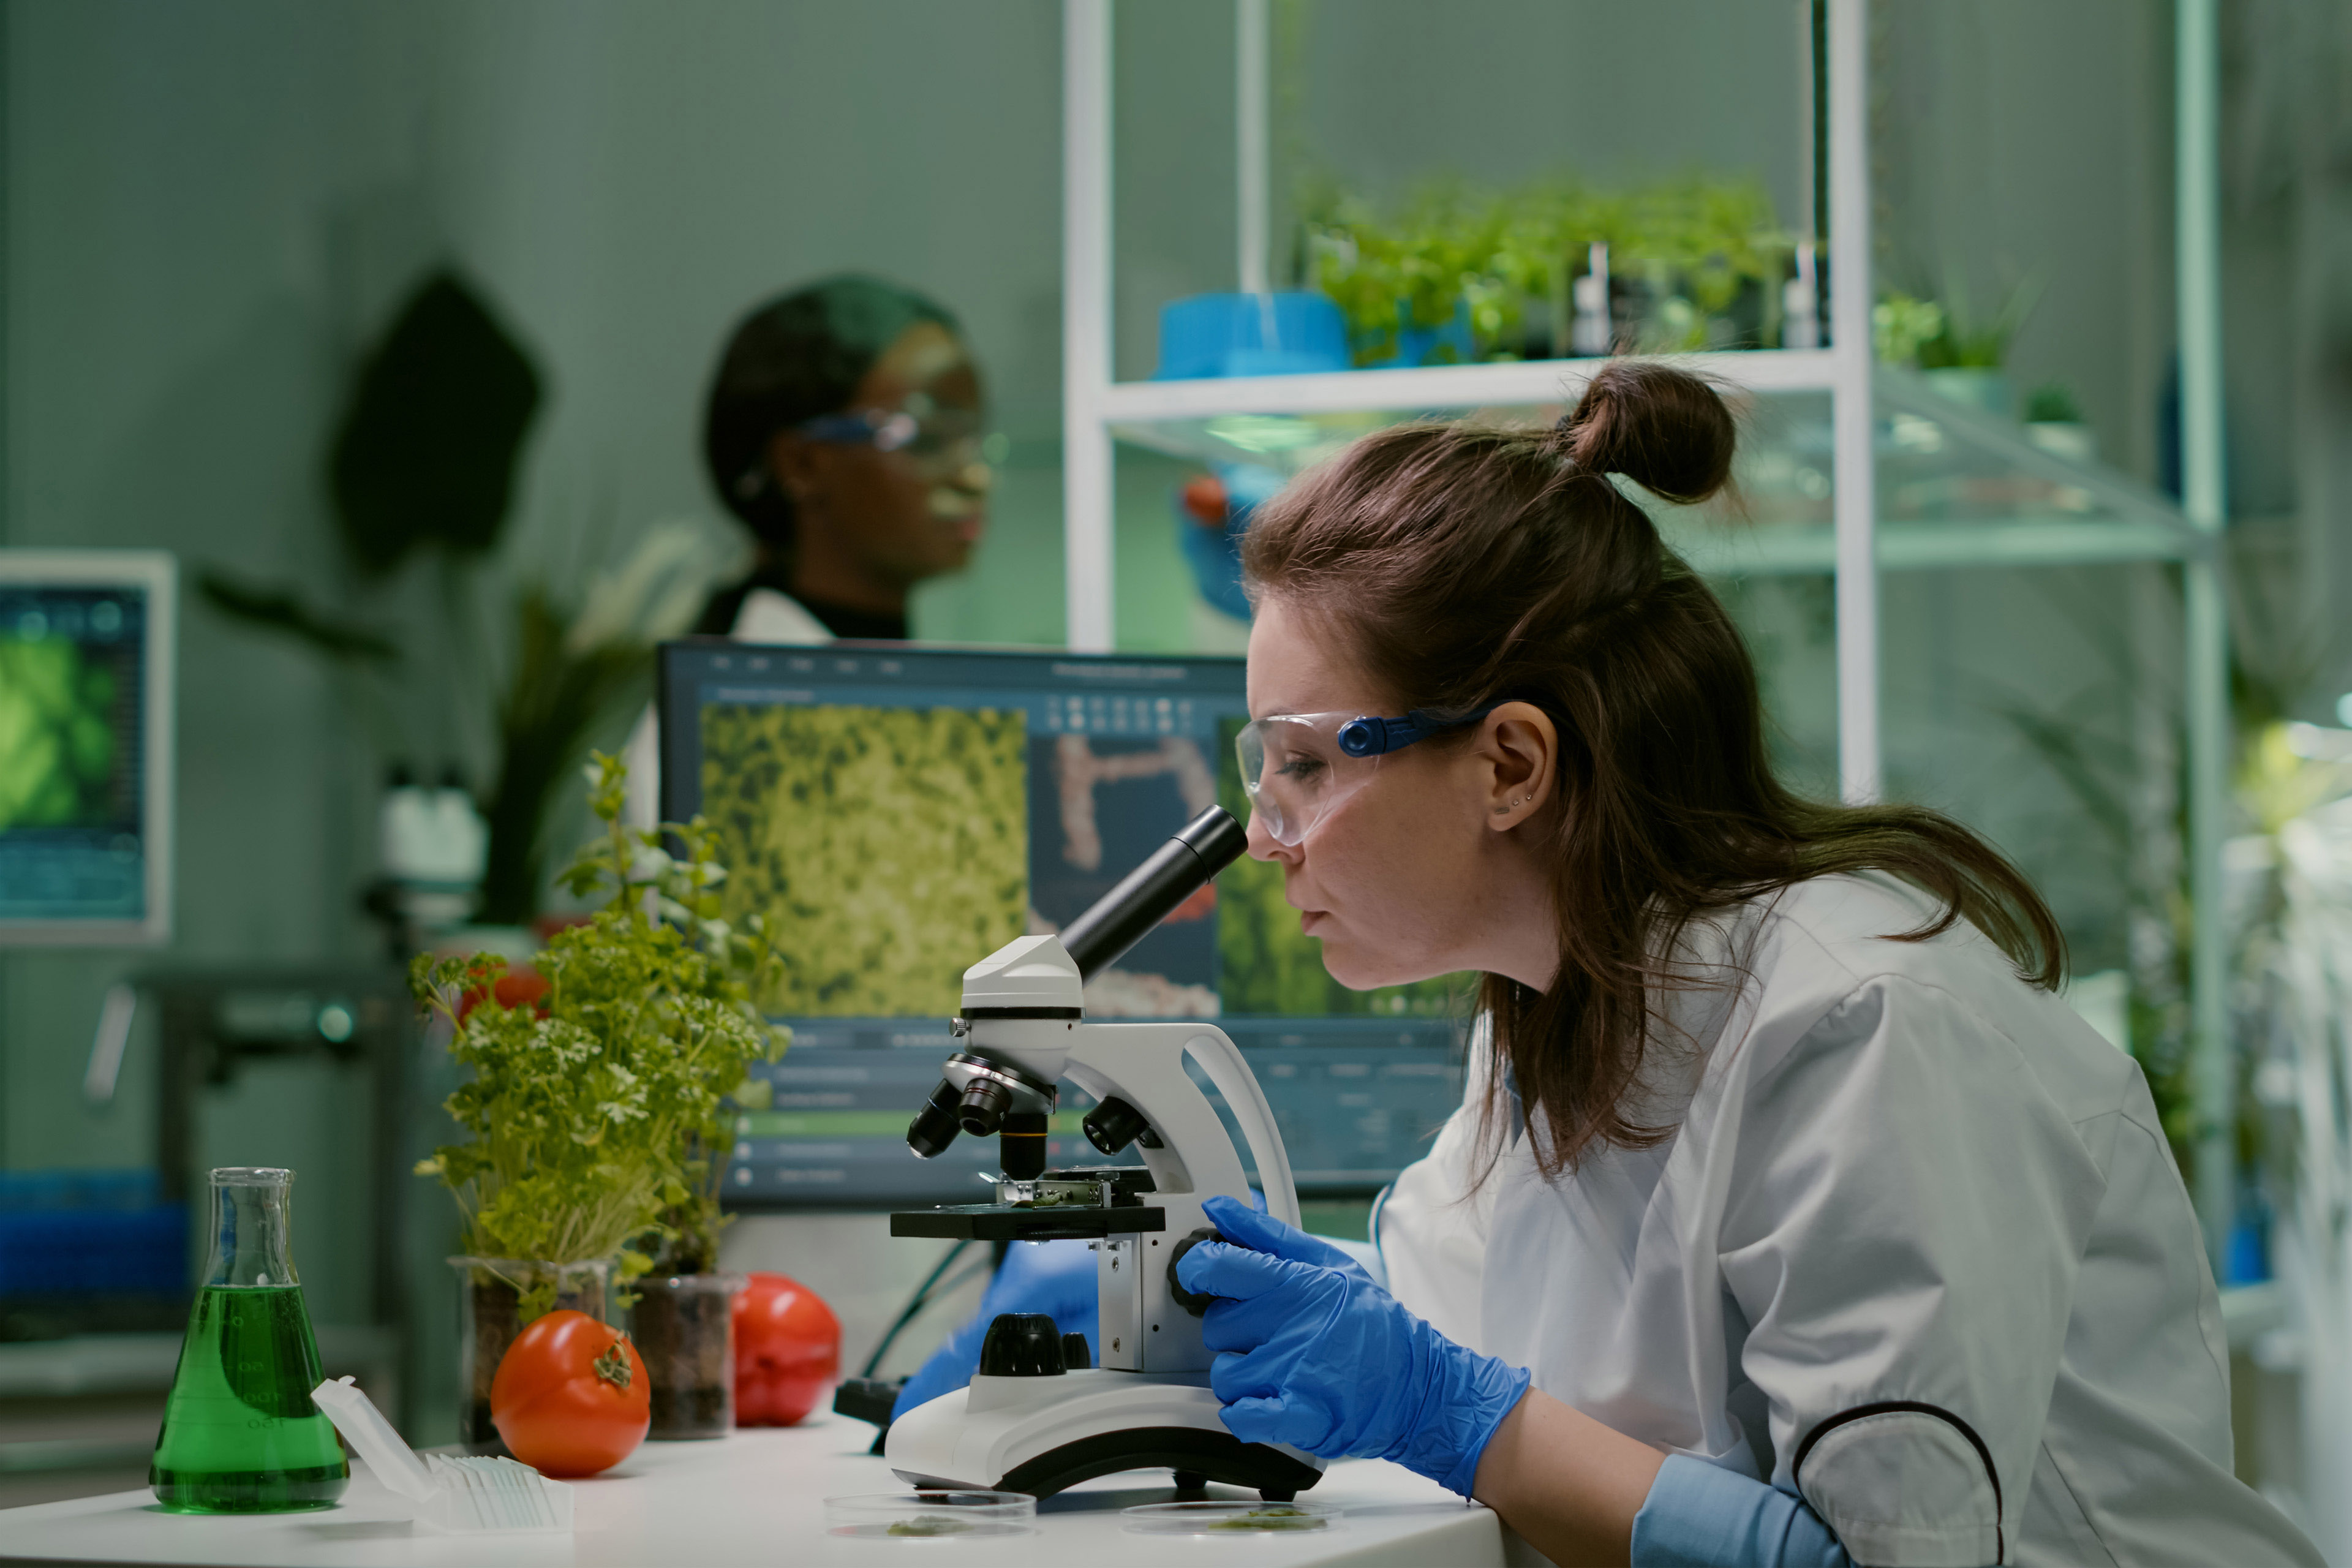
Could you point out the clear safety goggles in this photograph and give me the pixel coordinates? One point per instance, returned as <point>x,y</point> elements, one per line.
<point>929,437</point>
<point>1297,767</point>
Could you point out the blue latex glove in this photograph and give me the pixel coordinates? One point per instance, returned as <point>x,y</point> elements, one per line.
<point>1055,1277</point>
<point>1313,1354</point>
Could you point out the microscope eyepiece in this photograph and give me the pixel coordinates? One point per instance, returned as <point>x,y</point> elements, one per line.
<point>1145,896</point>
<point>934,1127</point>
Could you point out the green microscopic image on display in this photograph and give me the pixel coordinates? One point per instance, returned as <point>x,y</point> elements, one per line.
<point>57,735</point>
<point>1266,964</point>
<point>887,847</point>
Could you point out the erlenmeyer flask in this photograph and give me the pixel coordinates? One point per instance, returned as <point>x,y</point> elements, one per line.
<point>240,1434</point>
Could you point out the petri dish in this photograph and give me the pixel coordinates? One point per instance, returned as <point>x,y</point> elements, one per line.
<point>1229,1519</point>
<point>926,1515</point>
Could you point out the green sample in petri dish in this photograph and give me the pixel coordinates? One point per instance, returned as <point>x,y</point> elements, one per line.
<point>240,1434</point>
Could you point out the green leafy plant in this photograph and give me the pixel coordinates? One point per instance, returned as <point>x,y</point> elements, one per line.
<point>2052,403</point>
<point>1917,331</point>
<point>598,1108</point>
<point>1452,251</point>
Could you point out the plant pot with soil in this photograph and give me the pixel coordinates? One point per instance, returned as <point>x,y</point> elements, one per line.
<point>683,1328</point>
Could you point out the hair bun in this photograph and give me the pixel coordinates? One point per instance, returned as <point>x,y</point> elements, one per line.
<point>1663,428</point>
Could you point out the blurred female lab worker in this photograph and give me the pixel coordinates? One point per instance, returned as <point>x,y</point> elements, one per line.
<point>1791,1216</point>
<point>843,428</point>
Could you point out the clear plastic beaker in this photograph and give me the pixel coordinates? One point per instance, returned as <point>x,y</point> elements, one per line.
<point>495,1297</point>
<point>240,1434</point>
<point>685,1328</point>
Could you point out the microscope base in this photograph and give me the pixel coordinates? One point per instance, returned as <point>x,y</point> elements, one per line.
<point>1041,1434</point>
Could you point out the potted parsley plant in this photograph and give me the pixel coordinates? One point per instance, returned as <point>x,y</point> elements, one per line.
<point>598,1086</point>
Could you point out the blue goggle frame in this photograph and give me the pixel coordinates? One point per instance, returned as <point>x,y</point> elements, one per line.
<point>1367,736</point>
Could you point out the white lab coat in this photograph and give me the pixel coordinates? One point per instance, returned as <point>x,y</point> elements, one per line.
<point>764,616</point>
<point>1916,1251</point>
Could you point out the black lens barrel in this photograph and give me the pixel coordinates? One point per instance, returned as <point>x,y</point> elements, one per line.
<point>1145,896</point>
<point>981,1109</point>
<point>934,1127</point>
<point>1113,1125</point>
<point>1021,1145</point>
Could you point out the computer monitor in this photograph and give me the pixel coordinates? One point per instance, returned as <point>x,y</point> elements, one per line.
<point>86,707</point>
<point>899,812</point>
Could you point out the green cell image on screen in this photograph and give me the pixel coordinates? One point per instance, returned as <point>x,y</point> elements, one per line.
<point>1266,964</point>
<point>888,848</point>
<point>56,736</point>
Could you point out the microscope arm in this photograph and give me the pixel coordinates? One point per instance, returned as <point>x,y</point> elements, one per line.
<point>1221,1059</point>
<point>1143,1063</point>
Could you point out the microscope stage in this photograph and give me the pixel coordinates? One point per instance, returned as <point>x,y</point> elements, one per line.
<point>1012,1221</point>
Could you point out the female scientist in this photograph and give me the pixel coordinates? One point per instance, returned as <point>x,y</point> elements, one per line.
<point>844,427</point>
<point>1791,1216</point>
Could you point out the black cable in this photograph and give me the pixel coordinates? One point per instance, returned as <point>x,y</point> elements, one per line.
<point>915,1304</point>
<point>922,1304</point>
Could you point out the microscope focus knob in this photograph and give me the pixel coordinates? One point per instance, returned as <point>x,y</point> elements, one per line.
<point>1021,1344</point>
<point>1192,1301</point>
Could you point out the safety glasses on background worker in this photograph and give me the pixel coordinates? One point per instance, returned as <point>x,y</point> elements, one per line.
<point>945,440</point>
<point>1297,767</point>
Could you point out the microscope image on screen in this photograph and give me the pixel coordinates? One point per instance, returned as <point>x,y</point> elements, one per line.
<point>62,750</point>
<point>82,778</point>
<point>1110,802</point>
<point>895,813</point>
<point>884,845</point>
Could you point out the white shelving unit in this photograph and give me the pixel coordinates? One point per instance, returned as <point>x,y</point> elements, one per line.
<point>2132,523</point>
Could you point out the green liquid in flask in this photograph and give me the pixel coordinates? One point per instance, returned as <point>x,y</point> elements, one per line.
<point>240,1434</point>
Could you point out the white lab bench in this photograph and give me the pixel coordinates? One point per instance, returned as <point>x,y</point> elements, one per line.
<point>757,1497</point>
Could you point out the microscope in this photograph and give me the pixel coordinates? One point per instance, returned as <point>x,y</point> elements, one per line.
<point>1039,1416</point>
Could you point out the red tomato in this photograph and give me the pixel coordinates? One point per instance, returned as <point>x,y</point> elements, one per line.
<point>787,1352</point>
<point>1204,498</point>
<point>572,1397</point>
<point>517,988</point>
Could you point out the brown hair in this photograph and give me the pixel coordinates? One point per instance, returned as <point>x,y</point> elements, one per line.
<point>1467,566</point>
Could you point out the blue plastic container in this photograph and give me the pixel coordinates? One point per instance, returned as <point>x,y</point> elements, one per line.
<point>1291,334</point>
<point>1214,554</point>
<point>90,1233</point>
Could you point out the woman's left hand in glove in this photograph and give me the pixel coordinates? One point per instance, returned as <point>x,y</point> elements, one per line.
<point>1313,1354</point>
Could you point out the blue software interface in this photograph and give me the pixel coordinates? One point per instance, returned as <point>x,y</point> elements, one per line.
<point>73,662</point>
<point>896,814</point>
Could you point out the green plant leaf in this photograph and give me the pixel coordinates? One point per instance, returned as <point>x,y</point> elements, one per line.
<point>597,1117</point>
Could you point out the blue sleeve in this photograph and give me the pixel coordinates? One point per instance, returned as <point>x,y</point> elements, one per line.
<point>1699,1515</point>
